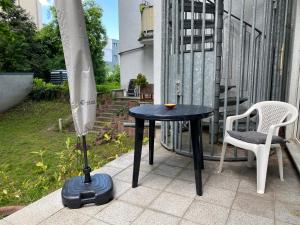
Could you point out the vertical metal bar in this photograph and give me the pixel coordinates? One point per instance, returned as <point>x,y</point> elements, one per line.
<point>166,86</point>
<point>252,53</point>
<point>218,46</point>
<point>266,50</point>
<point>241,69</point>
<point>176,74</point>
<point>273,20</point>
<point>203,48</point>
<point>228,64</point>
<point>163,62</point>
<point>182,50</point>
<point>275,77</point>
<point>283,48</point>
<point>212,125</point>
<point>181,66</point>
<point>192,49</point>
<point>287,49</point>
<point>173,26</point>
<point>262,51</point>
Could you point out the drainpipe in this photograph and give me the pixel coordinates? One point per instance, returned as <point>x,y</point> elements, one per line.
<point>218,67</point>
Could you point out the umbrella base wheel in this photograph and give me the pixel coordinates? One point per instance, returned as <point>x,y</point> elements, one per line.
<point>75,193</point>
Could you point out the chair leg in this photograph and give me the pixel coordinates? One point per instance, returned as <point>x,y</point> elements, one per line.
<point>280,163</point>
<point>262,158</point>
<point>222,157</point>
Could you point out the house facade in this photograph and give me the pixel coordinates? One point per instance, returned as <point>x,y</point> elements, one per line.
<point>135,56</point>
<point>111,53</point>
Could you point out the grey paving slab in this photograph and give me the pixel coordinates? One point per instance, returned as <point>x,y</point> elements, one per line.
<point>120,187</point>
<point>249,187</point>
<point>278,222</point>
<point>206,213</point>
<point>120,163</point>
<point>179,161</point>
<point>225,182</point>
<point>126,175</point>
<point>218,196</point>
<point>166,170</point>
<point>38,211</point>
<point>119,213</point>
<point>155,181</point>
<point>231,169</point>
<point>66,217</point>
<point>288,197</point>
<point>181,187</point>
<point>187,222</point>
<point>238,218</point>
<point>150,217</point>
<point>288,213</point>
<point>172,204</point>
<point>254,205</point>
<point>112,171</point>
<point>91,209</point>
<point>208,165</point>
<point>96,222</point>
<point>146,167</point>
<point>4,222</point>
<point>141,195</point>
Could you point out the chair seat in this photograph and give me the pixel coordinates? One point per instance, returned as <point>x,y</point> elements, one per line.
<point>255,137</point>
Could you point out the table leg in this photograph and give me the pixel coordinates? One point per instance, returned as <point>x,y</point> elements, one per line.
<point>139,131</point>
<point>197,154</point>
<point>151,140</point>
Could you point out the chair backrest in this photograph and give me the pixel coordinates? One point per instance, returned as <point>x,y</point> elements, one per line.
<point>273,113</point>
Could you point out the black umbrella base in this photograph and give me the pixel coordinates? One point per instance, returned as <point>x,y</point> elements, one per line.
<point>76,193</point>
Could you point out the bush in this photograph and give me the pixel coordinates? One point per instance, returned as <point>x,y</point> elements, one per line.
<point>141,80</point>
<point>48,91</point>
<point>107,87</point>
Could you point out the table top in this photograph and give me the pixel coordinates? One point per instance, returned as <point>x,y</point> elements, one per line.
<point>179,113</point>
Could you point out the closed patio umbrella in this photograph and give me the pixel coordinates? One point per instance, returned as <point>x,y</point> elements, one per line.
<point>98,188</point>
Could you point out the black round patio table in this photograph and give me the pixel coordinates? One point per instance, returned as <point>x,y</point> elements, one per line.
<point>192,113</point>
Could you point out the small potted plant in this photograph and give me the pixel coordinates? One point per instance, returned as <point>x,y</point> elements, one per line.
<point>141,81</point>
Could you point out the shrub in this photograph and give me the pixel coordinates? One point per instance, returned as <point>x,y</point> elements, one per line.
<point>48,91</point>
<point>141,80</point>
<point>107,87</point>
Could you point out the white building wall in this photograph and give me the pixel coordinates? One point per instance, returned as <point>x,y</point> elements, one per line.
<point>34,8</point>
<point>157,50</point>
<point>134,57</point>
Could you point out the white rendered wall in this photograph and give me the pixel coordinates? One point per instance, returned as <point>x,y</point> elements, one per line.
<point>132,63</point>
<point>134,57</point>
<point>157,50</point>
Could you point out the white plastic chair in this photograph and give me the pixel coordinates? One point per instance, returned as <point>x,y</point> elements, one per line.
<point>272,116</point>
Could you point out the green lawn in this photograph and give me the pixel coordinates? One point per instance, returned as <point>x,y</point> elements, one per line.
<point>32,127</point>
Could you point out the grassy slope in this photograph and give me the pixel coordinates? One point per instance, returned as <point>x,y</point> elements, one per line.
<point>25,129</point>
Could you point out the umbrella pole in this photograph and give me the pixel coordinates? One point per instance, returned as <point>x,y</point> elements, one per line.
<point>86,169</point>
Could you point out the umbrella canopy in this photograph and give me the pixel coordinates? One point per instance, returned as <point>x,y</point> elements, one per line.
<point>83,95</point>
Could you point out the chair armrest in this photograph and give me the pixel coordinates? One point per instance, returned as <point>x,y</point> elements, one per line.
<point>231,119</point>
<point>273,127</point>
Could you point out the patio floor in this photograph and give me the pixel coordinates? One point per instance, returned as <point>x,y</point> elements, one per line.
<point>166,196</point>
